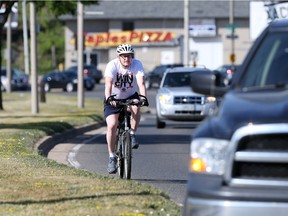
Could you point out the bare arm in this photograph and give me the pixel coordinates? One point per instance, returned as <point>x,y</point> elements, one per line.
<point>108,87</point>
<point>141,85</point>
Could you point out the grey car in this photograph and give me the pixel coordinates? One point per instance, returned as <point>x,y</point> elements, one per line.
<point>176,101</point>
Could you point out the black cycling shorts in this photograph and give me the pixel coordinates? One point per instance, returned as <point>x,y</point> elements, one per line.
<point>108,109</point>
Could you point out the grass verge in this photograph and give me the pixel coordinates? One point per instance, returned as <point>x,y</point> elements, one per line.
<point>34,185</point>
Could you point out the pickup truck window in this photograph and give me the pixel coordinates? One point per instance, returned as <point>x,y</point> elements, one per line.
<point>269,66</point>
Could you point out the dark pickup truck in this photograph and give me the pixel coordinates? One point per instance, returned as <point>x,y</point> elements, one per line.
<point>239,156</point>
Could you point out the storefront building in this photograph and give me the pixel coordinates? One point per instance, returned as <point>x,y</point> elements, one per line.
<point>155,29</point>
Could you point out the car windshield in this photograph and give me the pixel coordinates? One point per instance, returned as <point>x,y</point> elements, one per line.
<point>179,79</point>
<point>269,66</point>
<point>18,72</point>
<point>14,71</point>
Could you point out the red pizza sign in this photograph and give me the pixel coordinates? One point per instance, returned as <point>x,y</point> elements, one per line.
<point>108,39</point>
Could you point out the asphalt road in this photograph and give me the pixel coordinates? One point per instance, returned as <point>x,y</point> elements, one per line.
<point>161,160</point>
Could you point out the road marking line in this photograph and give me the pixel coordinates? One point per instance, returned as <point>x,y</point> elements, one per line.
<point>71,158</point>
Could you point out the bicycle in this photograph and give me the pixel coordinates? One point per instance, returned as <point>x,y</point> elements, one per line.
<point>123,145</point>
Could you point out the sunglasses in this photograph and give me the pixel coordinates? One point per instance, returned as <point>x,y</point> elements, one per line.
<point>126,56</point>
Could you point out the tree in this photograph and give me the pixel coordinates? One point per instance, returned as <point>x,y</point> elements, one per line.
<point>6,7</point>
<point>56,8</point>
<point>50,38</point>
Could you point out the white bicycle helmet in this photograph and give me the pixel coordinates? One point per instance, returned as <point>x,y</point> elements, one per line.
<point>125,49</point>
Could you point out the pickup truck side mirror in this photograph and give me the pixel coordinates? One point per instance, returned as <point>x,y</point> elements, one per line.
<point>207,83</point>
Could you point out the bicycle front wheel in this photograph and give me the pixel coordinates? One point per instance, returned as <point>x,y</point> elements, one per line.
<point>127,156</point>
<point>120,161</point>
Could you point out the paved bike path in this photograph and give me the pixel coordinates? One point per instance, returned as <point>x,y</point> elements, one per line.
<point>57,146</point>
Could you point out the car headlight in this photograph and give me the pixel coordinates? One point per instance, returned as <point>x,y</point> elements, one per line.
<point>165,98</point>
<point>75,81</point>
<point>210,99</point>
<point>208,155</point>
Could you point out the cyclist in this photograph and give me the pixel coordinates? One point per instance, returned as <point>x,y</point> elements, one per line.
<point>124,77</point>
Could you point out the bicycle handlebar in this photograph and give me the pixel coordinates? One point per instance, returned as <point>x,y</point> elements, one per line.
<point>143,101</point>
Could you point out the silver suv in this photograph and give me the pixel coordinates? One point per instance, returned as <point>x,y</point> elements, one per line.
<point>176,101</point>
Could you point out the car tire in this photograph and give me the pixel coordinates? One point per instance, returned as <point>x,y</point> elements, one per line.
<point>160,124</point>
<point>3,88</point>
<point>90,88</point>
<point>69,87</point>
<point>46,87</point>
<point>147,84</point>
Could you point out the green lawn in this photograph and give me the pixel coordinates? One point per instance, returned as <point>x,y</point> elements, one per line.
<point>34,185</point>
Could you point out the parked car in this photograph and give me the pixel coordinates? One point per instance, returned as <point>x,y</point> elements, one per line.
<point>90,71</point>
<point>64,80</point>
<point>19,80</point>
<point>89,83</point>
<point>154,77</point>
<point>226,72</point>
<point>239,156</point>
<point>176,101</point>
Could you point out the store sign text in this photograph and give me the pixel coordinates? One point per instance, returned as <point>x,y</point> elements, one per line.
<point>108,39</point>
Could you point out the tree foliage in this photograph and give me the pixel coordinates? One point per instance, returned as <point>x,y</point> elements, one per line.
<point>61,7</point>
<point>51,32</point>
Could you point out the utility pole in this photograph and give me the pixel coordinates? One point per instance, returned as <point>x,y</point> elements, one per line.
<point>80,46</point>
<point>25,38</point>
<point>233,36</point>
<point>8,54</point>
<point>34,76</point>
<point>186,33</point>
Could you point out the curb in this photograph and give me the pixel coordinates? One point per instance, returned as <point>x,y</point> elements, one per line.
<point>45,144</point>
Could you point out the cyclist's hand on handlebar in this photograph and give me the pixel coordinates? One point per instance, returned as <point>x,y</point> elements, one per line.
<point>144,100</point>
<point>136,102</point>
<point>111,100</point>
<point>113,103</point>
<point>145,103</point>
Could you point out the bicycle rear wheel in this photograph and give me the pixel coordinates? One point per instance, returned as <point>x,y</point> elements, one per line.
<point>127,156</point>
<point>119,154</point>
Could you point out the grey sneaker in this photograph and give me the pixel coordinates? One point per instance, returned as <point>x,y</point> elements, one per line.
<point>134,142</point>
<point>112,169</point>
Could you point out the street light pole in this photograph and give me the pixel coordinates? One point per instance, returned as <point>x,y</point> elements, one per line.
<point>232,26</point>
<point>34,76</point>
<point>186,33</point>
<point>8,54</point>
<point>25,38</point>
